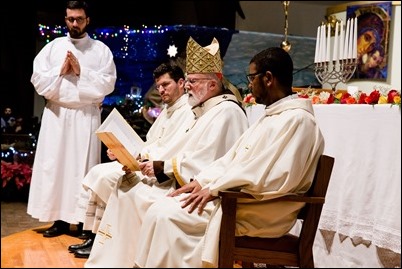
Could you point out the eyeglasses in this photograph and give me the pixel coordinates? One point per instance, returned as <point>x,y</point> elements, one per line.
<point>251,77</point>
<point>72,19</point>
<point>192,81</point>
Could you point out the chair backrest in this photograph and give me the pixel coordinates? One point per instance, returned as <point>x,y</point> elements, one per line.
<point>288,250</point>
<point>311,212</point>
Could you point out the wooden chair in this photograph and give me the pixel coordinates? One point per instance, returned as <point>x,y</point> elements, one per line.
<point>288,250</point>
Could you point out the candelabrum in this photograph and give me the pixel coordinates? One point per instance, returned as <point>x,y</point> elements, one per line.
<point>335,71</point>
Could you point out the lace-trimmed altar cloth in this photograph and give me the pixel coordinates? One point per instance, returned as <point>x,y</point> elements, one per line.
<point>364,194</point>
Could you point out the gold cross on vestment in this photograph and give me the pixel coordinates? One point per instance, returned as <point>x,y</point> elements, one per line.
<point>105,234</point>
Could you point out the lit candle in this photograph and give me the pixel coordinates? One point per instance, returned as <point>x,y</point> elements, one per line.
<point>317,46</point>
<point>345,48</point>
<point>354,54</point>
<point>341,41</point>
<point>335,54</point>
<point>350,46</point>
<point>329,43</point>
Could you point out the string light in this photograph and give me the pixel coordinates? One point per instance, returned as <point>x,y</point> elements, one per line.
<point>50,33</point>
<point>138,51</point>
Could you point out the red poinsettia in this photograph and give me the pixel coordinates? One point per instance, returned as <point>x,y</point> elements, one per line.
<point>19,172</point>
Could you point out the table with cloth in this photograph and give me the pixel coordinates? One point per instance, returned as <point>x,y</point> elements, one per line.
<point>360,224</point>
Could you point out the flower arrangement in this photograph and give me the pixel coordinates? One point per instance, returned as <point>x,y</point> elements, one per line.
<point>249,100</point>
<point>20,173</point>
<point>317,96</point>
<point>392,97</point>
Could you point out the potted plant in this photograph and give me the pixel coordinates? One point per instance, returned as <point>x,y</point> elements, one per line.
<point>16,178</point>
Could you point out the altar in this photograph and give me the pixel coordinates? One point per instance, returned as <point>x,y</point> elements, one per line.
<point>360,224</point>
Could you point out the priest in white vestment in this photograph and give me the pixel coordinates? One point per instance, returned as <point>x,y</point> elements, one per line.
<point>219,121</point>
<point>276,156</point>
<point>103,178</point>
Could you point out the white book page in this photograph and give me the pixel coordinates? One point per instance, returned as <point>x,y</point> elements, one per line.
<point>116,124</point>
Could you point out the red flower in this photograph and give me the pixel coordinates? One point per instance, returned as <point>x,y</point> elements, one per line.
<point>362,98</point>
<point>331,99</point>
<point>350,100</point>
<point>372,99</point>
<point>391,95</point>
<point>19,172</point>
<point>345,95</point>
<point>249,100</point>
<point>303,95</point>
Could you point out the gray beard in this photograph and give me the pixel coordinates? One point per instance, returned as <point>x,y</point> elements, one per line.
<point>193,101</point>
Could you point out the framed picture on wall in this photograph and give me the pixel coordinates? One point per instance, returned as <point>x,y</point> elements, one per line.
<point>373,30</point>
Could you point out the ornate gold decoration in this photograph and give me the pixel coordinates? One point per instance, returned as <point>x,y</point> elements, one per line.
<point>332,20</point>
<point>203,59</point>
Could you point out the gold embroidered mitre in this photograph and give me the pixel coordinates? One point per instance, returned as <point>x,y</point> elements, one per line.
<point>203,59</point>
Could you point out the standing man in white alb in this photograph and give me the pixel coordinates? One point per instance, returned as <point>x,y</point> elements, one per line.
<point>73,73</point>
<point>219,121</point>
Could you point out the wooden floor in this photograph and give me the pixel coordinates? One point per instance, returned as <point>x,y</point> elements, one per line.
<point>29,249</point>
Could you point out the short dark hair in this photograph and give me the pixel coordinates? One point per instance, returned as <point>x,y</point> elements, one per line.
<point>79,5</point>
<point>170,67</point>
<point>278,61</point>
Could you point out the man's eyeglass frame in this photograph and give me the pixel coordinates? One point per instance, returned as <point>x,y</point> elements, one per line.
<point>72,19</point>
<point>251,77</point>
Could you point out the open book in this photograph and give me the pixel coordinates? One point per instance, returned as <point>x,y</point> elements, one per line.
<point>121,139</point>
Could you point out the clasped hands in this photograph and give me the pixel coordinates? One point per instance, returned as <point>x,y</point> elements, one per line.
<point>147,168</point>
<point>70,65</point>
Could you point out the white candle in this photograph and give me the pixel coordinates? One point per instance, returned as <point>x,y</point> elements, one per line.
<point>345,48</point>
<point>351,33</point>
<point>329,43</point>
<point>341,41</point>
<point>335,54</point>
<point>354,54</point>
<point>322,44</point>
<point>317,46</point>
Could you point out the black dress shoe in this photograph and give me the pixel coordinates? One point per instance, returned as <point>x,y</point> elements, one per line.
<point>85,234</point>
<point>58,228</point>
<point>87,243</point>
<point>83,252</point>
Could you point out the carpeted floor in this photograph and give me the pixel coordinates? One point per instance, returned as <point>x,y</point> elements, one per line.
<point>14,218</point>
